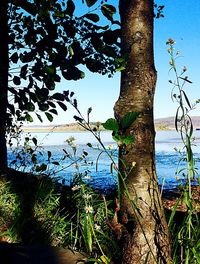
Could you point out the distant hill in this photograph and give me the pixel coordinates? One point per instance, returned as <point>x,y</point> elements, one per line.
<point>166,123</point>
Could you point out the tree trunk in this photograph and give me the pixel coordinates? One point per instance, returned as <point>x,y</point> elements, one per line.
<point>4,62</point>
<point>145,233</point>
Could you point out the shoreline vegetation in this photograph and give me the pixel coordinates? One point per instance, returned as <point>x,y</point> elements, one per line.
<point>160,124</point>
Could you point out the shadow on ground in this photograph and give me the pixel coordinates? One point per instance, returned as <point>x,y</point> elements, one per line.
<point>35,242</point>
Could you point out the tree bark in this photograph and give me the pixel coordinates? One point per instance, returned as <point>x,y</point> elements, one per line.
<point>4,64</point>
<point>144,229</point>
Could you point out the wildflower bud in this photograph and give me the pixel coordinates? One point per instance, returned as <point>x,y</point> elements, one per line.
<point>133,164</point>
<point>184,69</point>
<point>119,143</point>
<point>115,167</point>
<point>170,41</point>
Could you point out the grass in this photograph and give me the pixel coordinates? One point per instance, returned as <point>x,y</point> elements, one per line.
<point>35,210</point>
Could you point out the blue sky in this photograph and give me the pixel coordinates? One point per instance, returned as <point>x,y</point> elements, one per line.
<point>181,23</point>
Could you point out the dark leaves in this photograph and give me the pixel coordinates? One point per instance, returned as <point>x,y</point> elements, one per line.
<point>39,117</point>
<point>62,105</point>
<point>16,80</point>
<point>70,8</point>
<point>49,116</point>
<point>94,65</point>
<point>30,107</point>
<point>58,96</point>
<point>41,167</point>
<point>111,36</point>
<point>14,57</point>
<point>108,11</point>
<point>92,17</point>
<point>73,73</point>
<point>24,70</point>
<point>79,119</point>
<point>90,2</point>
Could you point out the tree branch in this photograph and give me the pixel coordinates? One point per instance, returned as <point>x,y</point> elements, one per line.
<point>27,6</point>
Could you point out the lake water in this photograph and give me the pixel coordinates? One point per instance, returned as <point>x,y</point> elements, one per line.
<point>99,173</point>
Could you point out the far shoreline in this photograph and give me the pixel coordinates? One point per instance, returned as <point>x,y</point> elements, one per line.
<point>161,124</point>
<point>70,128</point>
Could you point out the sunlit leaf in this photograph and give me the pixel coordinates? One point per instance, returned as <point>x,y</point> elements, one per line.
<point>128,119</point>
<point>128,140</point>
<point>49,116</point>
<point>29,118</point>
<point>111,124</point>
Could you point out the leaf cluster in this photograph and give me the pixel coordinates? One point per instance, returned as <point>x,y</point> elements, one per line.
<point>119,128</point>
<point>49,42</point>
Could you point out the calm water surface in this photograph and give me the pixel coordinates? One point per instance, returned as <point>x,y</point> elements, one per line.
<point>98,167</point>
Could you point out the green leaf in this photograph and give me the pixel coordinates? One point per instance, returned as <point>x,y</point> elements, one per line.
<point>92,17</point>
<point>111,124</point>
<point>90,2</point>
<point>124,140</point>
<point>108,11</point>
<point>71,51</point>
<point>128,119</point>
<point>49,116</point>
<point>121,68</point>
<point>29,118</point>
<point>116,137</point>
<point>50,70</point>
<point>128,140</point>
